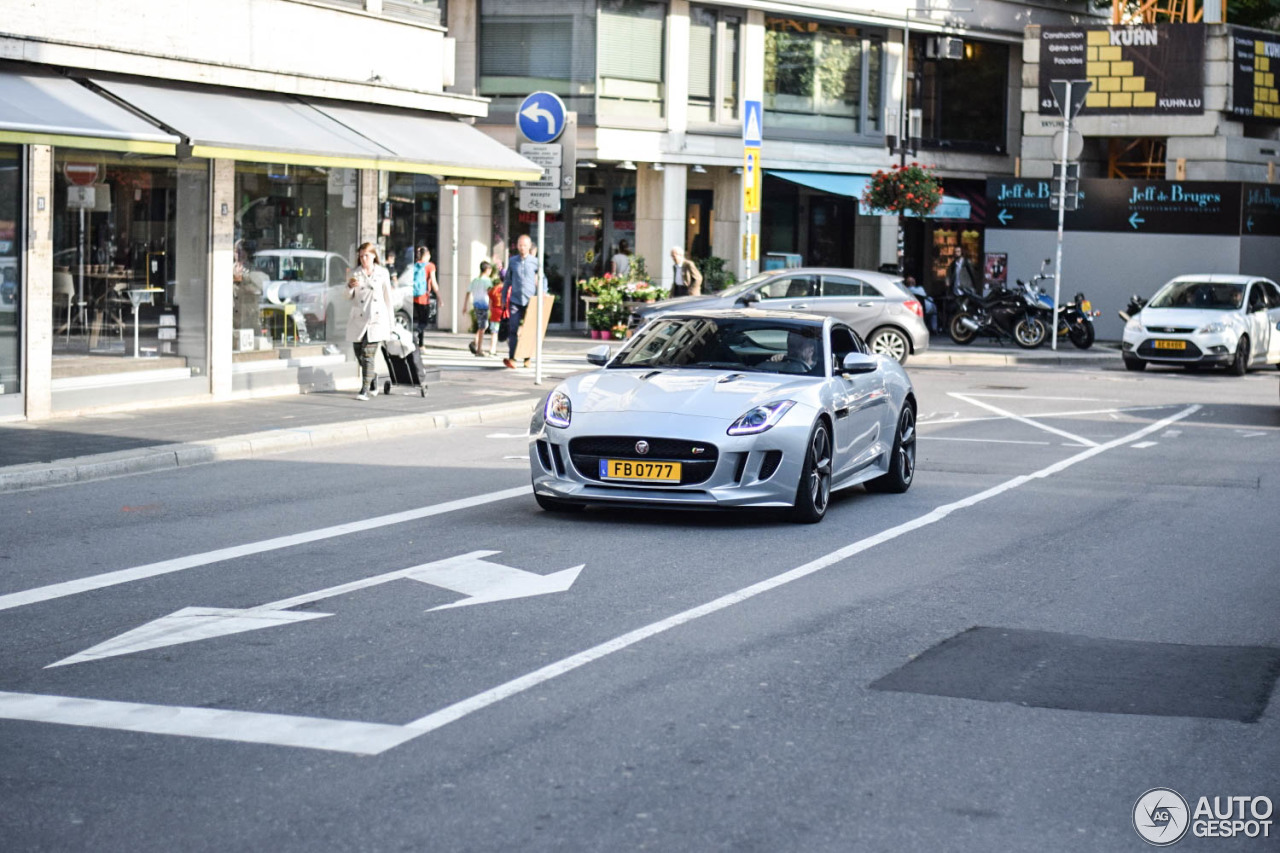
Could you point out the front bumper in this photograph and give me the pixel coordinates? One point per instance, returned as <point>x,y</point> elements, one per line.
<point>749,471</point>
<point>1217,348</point>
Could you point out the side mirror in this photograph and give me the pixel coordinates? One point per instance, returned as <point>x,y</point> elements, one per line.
<point>750,298</point>
<point>600,355</point>
<point>857,362</point>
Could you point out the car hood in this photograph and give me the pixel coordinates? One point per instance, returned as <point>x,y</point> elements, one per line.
<point>682,303</point>
<point>722,394</point>
<point>1193,318</point>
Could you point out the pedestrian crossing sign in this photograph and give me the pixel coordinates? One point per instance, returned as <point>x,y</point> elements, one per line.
<point>752,124</point>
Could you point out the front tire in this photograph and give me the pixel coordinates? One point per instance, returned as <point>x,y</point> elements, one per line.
<point>891,342</point>
<point>1083,336</point>
<point>813,493</point>
<point>1029,332</point>
<point>1240,364</point>
<point>1132,362</point>
<point>959,333</point>
<point>902,459</point>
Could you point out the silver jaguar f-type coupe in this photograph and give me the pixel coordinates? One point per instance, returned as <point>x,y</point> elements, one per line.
<point>739,408</point>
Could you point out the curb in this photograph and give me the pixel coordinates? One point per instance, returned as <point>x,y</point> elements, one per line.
<point>946,358</point>
<point>168,457</point>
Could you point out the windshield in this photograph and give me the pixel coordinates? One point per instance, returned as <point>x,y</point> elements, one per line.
<point>766,346</point>
<point>744,286</point>
<point>1222,296</point>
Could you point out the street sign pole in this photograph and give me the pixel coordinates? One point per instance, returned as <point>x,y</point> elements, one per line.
<point>1069,105</point>
<point>539,290</point>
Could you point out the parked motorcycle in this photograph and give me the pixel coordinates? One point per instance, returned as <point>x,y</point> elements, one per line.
<point>1010,313</point>
<point>1075,320</point>
<point>1136,304</point>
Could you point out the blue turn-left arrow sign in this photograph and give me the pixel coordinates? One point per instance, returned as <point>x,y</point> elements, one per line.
<point>1004,216</point>
<point>1136,220</point>
<point>541,117</point>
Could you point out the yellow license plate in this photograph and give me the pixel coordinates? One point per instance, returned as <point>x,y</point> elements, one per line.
<point>630,469</point>
<point>1171,344</point>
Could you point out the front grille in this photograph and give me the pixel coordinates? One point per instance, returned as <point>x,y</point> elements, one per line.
<point>1170,330</point>
<point>1147,349</point>
<point>695,467</point>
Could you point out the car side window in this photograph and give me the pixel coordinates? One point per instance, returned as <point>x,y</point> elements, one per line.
<point>1272,294</point>
<point>840,285</point>
<point>1257,297</point>
<point>843,342</point>
<point>788,287</point>
<point>337,272</point>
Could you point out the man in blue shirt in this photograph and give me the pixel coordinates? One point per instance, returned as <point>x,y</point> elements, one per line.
<point>520,285</point>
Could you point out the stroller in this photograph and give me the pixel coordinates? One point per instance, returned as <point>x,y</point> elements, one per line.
<point>404,362</point>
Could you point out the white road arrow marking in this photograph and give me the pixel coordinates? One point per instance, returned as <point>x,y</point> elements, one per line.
<point>533,112</point>
<point>469,574</point>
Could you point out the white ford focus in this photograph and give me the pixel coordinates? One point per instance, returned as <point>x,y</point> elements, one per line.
<point>1203,320</point>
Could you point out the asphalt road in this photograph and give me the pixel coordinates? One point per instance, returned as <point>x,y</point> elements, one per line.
<point>1075,603</point>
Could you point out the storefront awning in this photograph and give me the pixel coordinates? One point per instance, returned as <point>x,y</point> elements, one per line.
<point>455,152</point>
<point>257,128</point>
<point>273,128</point>
<point>853,185</point>
<point>47,109</point>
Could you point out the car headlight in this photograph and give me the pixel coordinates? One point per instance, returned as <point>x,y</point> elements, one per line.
<point>1134,326</point>
<point>1213,328</point>
<point>760,418</point>
<point>558,410</point>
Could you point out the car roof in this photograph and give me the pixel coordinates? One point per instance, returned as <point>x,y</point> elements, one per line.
<point>304,253</point>
<point>837,271</point>
<point>1221,278</point>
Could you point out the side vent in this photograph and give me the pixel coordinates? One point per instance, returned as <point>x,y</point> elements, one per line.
<point>544,455</point>
<point>769,467</point>
<point>555,453</point>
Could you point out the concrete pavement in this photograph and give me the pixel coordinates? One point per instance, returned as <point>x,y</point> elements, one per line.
<point>472,390</point>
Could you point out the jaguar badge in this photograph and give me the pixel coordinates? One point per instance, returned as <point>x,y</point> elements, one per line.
<point>642,447</point>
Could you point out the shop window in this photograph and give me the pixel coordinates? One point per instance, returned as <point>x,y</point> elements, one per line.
<point>964,101</point>
<point>296,237</point>
<point>713,65</point>
<point>130,258</point>
<point>411,218</point>
<point>537,45</point>
<point>822,78</point>
<point>11,231</point>
<point>631,58</point>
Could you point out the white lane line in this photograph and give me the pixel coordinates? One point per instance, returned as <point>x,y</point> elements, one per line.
<point>1070,414</point>
<point>374,738</point>
<point>1020,419</point>
<point>1030,397</point>
<point>242,726</point>
<point>1143,445</point>
<point>978,440</point>
<point>178,564</point>
<point>447,715</point>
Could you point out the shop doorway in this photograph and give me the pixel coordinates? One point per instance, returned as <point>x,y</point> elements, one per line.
<point>698,219</point>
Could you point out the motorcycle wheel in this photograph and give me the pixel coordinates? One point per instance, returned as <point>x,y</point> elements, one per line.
<point>1029,332</point>
<point>959,333</point>
<point>1082,336</point>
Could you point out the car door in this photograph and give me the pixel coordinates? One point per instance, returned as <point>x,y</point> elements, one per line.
<point>850,300</point>
<point>1273,321</point>
<point>1257,319</point>
<point>859,404</point>
<point>787,291</point>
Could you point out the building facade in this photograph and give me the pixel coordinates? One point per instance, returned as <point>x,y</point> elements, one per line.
<point>184,186</point>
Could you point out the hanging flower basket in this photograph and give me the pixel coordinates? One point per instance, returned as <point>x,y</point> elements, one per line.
<point>912,189</point>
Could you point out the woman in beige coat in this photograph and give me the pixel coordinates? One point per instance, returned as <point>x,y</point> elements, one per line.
<point>369,289</point>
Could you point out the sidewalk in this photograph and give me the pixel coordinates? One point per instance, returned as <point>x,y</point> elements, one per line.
<point>471,391</point>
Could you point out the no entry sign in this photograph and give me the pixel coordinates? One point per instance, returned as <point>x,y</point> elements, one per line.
<point>81,174</point>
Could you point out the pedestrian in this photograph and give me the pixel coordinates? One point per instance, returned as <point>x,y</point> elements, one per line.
<point>519,286</point>
<point>479,306</point>
<point>926,303</point>
<point>369,289</point>
<point>962,280</point>
<point>425,290</point>
<point>686,280</point>
<point>620,264</point>
<point>496,312</point>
